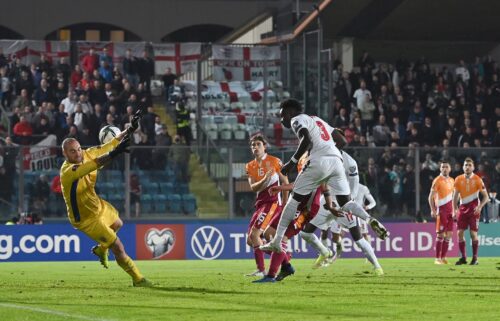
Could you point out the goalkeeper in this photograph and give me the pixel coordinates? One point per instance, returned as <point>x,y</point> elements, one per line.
<point>89,213</point>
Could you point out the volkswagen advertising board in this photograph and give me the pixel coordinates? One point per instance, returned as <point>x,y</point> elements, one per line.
<point>212,241</point>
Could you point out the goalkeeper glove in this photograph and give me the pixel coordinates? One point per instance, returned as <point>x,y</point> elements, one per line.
<point>134,124</point>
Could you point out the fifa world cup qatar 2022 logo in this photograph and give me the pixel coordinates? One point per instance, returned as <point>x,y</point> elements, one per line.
<point>160,242</point>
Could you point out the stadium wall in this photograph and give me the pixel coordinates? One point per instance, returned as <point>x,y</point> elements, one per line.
<point>209,240</point>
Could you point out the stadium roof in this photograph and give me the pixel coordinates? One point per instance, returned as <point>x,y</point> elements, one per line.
<point>408,20</point>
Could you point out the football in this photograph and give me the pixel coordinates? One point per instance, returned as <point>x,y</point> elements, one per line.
<point>107,133</point>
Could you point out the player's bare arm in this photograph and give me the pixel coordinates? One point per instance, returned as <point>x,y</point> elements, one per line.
<point>258,186</point>
<point>329,204</point>
<point>484,200</point>
<point>456,196</point>
<point>432,202</point>
<point>284,181</point>
<point>304,144</point>
<point>280,188</point>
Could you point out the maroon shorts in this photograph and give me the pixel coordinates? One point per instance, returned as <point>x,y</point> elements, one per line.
<point>263,216</point>
<point>466,217</point>
<point>444,221</point>
<point>295,226</point>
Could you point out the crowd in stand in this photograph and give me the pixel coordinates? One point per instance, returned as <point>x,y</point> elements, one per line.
<point>405,104</point>
<point>54,98</point>
<point>410,104</point>
<point>415,104</point>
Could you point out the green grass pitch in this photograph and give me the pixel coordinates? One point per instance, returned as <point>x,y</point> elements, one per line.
<point>412,289</point>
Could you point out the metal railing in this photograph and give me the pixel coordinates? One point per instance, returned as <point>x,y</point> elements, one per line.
<point>399,178</point>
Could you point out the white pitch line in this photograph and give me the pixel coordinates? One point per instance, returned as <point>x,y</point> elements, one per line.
<point>53,312</point>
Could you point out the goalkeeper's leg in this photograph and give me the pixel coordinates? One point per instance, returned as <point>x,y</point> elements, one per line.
<point>126,263</point>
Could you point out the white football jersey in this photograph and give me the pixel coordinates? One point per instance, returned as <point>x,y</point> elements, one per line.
<point>351,172</point>
<point>364,194</point>
<point>320,134</point>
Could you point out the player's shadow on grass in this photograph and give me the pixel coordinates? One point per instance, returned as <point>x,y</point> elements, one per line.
<point>190,289</point>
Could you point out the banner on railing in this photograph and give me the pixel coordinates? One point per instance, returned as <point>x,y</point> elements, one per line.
<point>245,63</point>
<point>42,156</point>
<point>207,241</point>
<point>29,51</point>
<point>232,91</point>
<point>179,57</point>
<point>116,50</point>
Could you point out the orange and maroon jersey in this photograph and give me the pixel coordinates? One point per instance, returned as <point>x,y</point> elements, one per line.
<point>257,171</point>
<point>443,187</point>
<point>469,188</point>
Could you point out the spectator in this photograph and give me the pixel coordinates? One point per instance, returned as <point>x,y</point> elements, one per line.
<point>5,88</point>
<point>135,193</point>
<point>381,132</point>
<point>42,127</point>
<point>130,68</point>
<point>127,118</point>
<point>97,95</point>
<point>430,136</point>
<point>90,62</point>
<point>148,123</point>
<point>64,68</point>
<point>146,70</point>
<point>23,131</point>
<point>361,94</point>
<point>76,76</point>
<point>43,93</point>
<point>41,193</point>
<point>83,100</point>
<point>341,120</point>
<point>183,123</point>
<point>429,163</point>
<point>367,111</point>
<point>462,72</point>
<point>160,155</point>
<point>106,59</point>
<point>106,72</point>
<point>396,179</point>
<point>60,92</point>
<point>168,81</point>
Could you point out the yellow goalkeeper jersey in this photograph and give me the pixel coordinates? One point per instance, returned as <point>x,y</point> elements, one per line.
<point>78,182</point>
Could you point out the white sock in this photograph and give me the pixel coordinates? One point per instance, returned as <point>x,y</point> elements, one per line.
<point>313,240</point>
<point>325,242</point>
<point>286,217</point>
<point>356,210</point>
<point>369,253</point>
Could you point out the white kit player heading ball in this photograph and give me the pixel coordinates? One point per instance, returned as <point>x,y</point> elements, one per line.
<point>324,166</point>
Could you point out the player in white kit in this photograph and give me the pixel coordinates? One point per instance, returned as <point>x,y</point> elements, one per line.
<point>326,219</point>
<point>324,166</point>
<point>337,226</point>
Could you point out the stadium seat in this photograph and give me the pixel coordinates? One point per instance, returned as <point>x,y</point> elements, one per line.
<point>225,132</point>
<point>166,188</point>
<point>182,188</point>
<point>212,132</point>
<point>171,177</point>
<point>237,105</point>
<point>115,175</point>
<point>189,203</point>
<point>251,106</point>
<point>160,203</point>
<point>151,188</point>
<point>174,203</point>
<point>239,131</point>
<point>146,203</point>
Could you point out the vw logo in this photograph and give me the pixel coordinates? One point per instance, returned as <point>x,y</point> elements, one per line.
<point>207,243</point>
